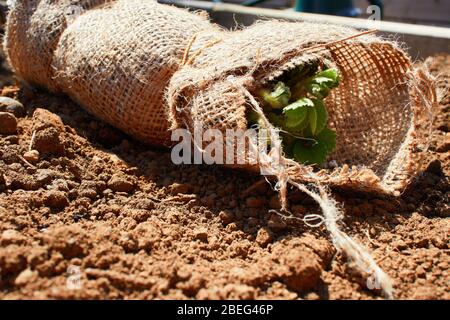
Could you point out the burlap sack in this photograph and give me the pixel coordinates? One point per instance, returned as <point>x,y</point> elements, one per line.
<point>374,110</point>
<point>147,68</point>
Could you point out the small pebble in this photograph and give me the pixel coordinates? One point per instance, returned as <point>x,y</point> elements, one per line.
<point>177,188</point>
<point>48,141</point>
<point>88,193</point>
<point>45,119</point>
<point>226,217</point>
<point>8,123</point>
<point>201,234</point>
<point>12,106</point>
<point>25,277</point>
<point>120,183</point>
<point>11,236</point>
<point>32,156</point>
<point>302,269</point>
<point>264,237</point>
<point>56,199</point>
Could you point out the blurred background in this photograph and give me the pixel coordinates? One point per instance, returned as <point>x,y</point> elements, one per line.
<point>422,26</point>
<point>428,12</point>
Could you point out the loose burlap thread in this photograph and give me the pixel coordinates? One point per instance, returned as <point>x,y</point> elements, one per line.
<point>148,68</point>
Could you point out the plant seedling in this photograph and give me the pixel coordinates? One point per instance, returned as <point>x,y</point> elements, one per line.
<point>299,110</point>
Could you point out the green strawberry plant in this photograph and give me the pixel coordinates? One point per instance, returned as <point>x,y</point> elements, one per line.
<point>296,105</point>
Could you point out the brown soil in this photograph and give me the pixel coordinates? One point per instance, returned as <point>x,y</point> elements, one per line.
<point>138,227</point>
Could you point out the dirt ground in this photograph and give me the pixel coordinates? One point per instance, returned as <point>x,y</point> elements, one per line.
<point>97,215</point>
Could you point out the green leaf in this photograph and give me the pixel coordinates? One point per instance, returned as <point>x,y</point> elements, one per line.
<point>279,97</point>
<point>307,117</point>
<point>281,90</point>
<point>310,153</point>
<point>328,138</point>
<point>322,116</point>
<point>303,102</point>
<point>319,91</point>
<point>330,73</point>
<point>312,117</point>
<point>297,112</point>
<point>321,84</point>
<point>328,77</point>
<point>323,80</point>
